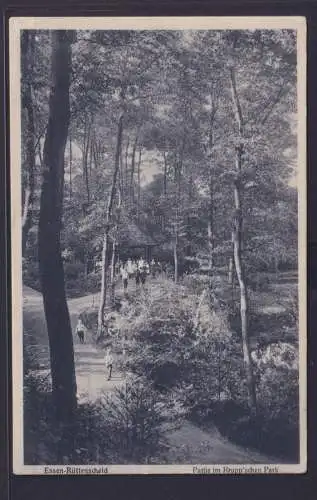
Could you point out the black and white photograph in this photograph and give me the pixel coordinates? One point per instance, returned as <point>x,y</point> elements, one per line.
<point>158,222</point>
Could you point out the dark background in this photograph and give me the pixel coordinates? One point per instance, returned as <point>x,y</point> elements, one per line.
<point>149,487</point>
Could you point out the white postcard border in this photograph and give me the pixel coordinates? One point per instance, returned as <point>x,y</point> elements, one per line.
<point>16,24</point>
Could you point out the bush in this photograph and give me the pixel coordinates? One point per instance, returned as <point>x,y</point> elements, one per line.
<point>30,273</point>
<point>73,270</point>
<point>258,281</point>
<point>46,441</point>
<point>137,419</point>
<point>218,379</point>
<point>93,282</point>
<point>127,426</point>
<point>275,429</point>
<point>40,433</point>
<point>177,342</point>
<point>278,398</point>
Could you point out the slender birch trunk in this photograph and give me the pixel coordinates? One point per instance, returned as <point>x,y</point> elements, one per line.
<point>70,167</point>
<point>112,274</point>
<point>237,250</point>
<point>175,252</point>
<point>135,144</point>
<point>139,184</point>
<point>104,270</point>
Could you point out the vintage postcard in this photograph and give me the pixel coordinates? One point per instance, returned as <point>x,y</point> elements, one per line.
<point>158,222</point>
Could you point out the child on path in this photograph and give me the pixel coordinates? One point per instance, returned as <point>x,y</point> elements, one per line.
<point>125,277</point>
<point>130,268</point>
<point>109,362</point>
<point>80,330</point>
<point>144,270</point>
<point>137,272</point>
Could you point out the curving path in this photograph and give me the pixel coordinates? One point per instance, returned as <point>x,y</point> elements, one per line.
<point>188,444</point>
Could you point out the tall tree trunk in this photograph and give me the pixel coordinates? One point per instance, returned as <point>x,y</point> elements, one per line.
<point>237,250</point>
<point>94,152</point>
<point>230,270</point>
<point>178,177</point>
<point>244,305</point>
<point>133,167</point>
<point>112,274</point>
<point>103,292</point>
<point>219,371</point>
<point>126,169</point>
<point>91,155</point>
<point>103,295</point>
<point>50,260</point>
<point>210,243</point>
<point>27,46</point>
<point>175,252</point>
<point>139,184</point>
<point>39,149</point>
<point>70,166</point>
<point>165,175</point>
<point>114,252</point>
<point>121,176</point>
<point>85,159</point>
<point>210,232</point>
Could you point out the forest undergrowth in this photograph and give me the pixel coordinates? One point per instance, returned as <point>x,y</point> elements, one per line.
<point>184,361</point>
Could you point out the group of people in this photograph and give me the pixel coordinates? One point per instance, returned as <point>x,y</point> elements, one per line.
<point>138,269</point>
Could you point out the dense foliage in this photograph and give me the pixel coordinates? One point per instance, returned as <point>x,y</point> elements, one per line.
<point>182,144</point>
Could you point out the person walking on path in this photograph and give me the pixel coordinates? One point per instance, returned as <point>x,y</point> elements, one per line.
<point>125,278</point>
<point>80,330</point>
<point>109,362</point>
<point>130,268</point>
<point>144,270</point>
<point>153,268</point>
<point>137,273</point>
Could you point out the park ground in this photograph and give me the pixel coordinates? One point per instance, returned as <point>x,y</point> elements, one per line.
<point>187,444</point>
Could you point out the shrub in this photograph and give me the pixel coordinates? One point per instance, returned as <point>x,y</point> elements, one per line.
<point>40,434</point>
<point>93,282</point>
<point>219,377</point>
<point>30,273</point>
<point>259,281</point>
<point>175,341</point>
<point>73,270</point>
<point>137,418</point>
<point>278,399</point>
<point>127,426</point>
<point>275,429</point>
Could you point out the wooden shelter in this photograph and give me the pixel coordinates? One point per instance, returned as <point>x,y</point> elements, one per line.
<point>132,241</point>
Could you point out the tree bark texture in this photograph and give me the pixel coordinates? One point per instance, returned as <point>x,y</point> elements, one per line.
<point>87,141</point>
<point>175,250</point>
<point>165,175</point>
<point>112,274</point>
<point>27,49</point>
<point>50,260</point>
<point>105,248</point>
<point>210,232</point>
<point>237,250</point>
<point>139,184</point>
<point>135,144</point>
<point>70,167</point>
